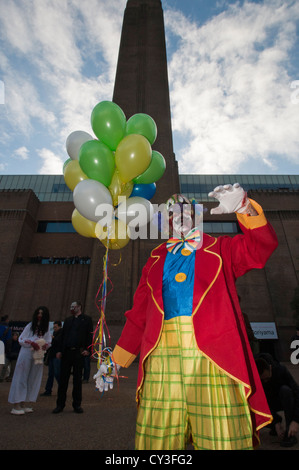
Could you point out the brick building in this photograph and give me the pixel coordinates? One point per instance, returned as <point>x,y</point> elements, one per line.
<point>45,262</point>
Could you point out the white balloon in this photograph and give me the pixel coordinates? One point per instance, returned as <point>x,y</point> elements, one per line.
<point>74,142</point>
<point>93,200</point>
<point>135,211</point>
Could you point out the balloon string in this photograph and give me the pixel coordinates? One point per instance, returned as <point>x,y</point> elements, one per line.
<point>100,302</point>
<point>99,349</point>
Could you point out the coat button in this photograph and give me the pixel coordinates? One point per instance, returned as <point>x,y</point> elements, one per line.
<point>186,252</point>
<point>180,277</point>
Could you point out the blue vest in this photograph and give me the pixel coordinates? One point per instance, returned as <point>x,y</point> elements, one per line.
<point>178,284</point>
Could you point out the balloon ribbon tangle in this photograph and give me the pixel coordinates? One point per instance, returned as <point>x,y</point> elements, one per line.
<point>99,339</point>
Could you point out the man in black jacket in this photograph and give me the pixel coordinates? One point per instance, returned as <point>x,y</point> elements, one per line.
<point>75,341</point>
<point>282,393</point>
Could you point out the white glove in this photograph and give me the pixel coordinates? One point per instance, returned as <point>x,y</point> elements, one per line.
<point>231,199</point>
<point>105,375</point>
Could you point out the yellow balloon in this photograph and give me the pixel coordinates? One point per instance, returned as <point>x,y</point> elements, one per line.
<point>132,156</point>
<point>117,233</point>
<point>73,174</point>
<point>85,227</point>
<point>118,188</point>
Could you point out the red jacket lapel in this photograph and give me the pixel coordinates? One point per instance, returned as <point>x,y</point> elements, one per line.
<point>155,275</point>
<point>207,268</point>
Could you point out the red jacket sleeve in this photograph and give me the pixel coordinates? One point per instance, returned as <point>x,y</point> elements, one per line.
<point>251,249</point>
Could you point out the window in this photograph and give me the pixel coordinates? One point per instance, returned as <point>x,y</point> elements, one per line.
<point>221,227</point>
<point>60,188</point>
<point>55,227</point>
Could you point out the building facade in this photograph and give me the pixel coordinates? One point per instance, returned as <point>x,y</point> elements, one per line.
<point>45,262</point>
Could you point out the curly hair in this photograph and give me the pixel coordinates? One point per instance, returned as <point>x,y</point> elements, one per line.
<point>42,327</point>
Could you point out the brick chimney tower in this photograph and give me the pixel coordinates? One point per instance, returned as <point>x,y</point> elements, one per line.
<point>141,83</point>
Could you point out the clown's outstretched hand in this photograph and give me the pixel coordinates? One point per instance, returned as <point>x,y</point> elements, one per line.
<point>231,199</point>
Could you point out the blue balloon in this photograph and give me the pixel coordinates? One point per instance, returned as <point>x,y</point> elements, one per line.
<point>147,191</point>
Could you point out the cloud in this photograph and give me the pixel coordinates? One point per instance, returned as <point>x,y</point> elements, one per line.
<point>230,89</point>
<point>51,163</point>
<point>230,86</point>
<point>21,153</point>
<point>3,166</point>
<point>51,67</point>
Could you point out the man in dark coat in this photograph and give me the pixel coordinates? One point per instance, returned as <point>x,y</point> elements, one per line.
<point>75,341</point>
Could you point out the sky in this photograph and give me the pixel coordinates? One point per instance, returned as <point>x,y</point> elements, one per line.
<point>233,74</point>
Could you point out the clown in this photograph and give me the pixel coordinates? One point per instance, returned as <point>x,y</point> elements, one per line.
<point>197,378</point>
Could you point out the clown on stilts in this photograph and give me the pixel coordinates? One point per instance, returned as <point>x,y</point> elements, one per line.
<point>197,378</point>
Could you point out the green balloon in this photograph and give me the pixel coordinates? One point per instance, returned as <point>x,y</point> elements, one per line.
<point>154,171</point>
<point>142,124</point>
<point>108,122</point>
<point>97,161</point>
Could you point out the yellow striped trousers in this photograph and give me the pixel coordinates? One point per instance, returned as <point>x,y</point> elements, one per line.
<point>185,396</point>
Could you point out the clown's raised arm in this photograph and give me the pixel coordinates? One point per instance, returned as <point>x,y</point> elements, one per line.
<point>252,248</point>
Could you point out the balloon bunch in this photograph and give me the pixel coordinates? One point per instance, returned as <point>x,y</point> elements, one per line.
<point>112,173</point>
<point>111,177</point>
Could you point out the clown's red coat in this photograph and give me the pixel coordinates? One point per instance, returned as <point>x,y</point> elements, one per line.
<point>218,322</point>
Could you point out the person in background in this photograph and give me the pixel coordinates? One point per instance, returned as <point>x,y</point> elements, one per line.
<point>28,374</point>
<point>5,335</point>
<point>75,340</point>
<point>52,360</point>
<point>12,349</point>
<point>282,393</point>
<point>86,370</point>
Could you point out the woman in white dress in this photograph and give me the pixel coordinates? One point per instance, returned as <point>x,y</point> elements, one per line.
<point>28,373</point>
